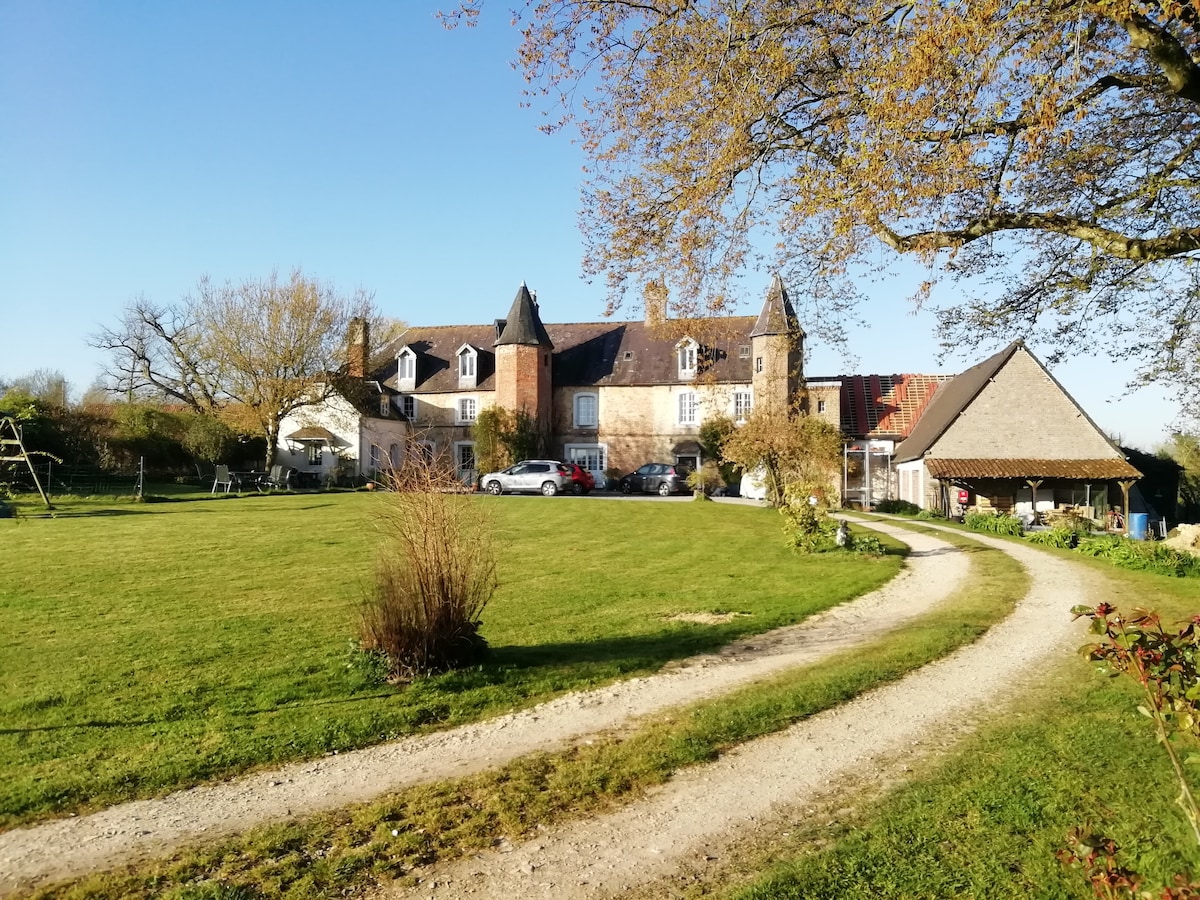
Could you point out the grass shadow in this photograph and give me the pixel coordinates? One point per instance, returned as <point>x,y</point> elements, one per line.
<point>637,652</point>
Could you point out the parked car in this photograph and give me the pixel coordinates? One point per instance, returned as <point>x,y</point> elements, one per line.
<point>663,478</point>
<point>582,481</point>
<point>549,476</point>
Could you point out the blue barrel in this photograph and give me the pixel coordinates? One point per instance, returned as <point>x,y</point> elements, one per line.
<point>1139,524</point>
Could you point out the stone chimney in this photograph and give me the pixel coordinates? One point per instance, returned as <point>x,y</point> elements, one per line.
<point>654,298</point>
<point>358,338</point>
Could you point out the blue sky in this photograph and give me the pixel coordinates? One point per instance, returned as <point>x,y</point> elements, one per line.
<point>144,145</point>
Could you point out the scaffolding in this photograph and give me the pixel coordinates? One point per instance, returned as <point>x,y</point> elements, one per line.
<point>867,473</point>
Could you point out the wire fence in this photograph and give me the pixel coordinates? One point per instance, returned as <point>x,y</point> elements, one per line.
<point>83,481</point>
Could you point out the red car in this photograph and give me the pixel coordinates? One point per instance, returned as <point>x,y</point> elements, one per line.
<point>582,481</point>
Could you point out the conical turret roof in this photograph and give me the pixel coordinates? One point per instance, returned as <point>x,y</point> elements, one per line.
<point>524,325</point>
<point>777,316</point>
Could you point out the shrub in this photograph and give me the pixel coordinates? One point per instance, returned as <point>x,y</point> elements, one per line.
<point>996,524</point>
<point>897,507</point>
<point>1142,556</point>
<point>866,544</point>
<point>435,573</point>
<point>707,478</point>
<point>807,526</point>
<point>1064,537</point>
<point>930,514</point>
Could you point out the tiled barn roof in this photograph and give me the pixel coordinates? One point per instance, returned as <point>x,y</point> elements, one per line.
<point>885,406</point>
<point>1095,469</point>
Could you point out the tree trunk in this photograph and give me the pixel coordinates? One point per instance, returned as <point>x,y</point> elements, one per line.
<point>272,441</point>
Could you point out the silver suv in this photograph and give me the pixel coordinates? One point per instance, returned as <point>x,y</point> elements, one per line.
<point>548,476</point>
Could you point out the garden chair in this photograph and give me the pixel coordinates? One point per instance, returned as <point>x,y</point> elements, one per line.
<point>280,478</point>
<point>222,477</point>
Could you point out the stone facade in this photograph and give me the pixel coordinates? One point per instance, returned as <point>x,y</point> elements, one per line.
<point>1005,436</point>
<point>1022,413</point>
<point>614,395</point>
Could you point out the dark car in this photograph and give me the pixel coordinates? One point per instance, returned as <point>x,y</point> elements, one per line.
<point>661,478</point>
<point>582,481</point>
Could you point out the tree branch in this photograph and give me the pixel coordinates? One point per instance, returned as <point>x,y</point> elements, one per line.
<point>1182,74</point>
<point>1184,240</point>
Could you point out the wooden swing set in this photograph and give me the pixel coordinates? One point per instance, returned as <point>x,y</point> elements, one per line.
<point>12,449</point>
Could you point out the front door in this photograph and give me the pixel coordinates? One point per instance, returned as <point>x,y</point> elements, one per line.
<point>687,463</point>
<point>465,463</point>
<point>590,458</point>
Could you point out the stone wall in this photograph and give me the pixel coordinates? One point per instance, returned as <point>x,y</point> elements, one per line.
<point>1022,414</point>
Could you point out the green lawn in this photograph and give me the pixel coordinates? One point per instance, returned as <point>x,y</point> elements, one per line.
<point>339,854</point>
<point>150,646</point>
<point>987,821</point>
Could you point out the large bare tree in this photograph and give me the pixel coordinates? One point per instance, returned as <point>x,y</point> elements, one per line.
<point>161,350</point>
<point>1046,151</point>
<point>251,351</point>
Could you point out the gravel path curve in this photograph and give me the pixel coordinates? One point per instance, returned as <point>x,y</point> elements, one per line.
<point>138,830</point>
<point>703,809</point>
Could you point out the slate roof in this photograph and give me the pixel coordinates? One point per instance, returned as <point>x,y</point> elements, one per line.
<point>435,348</point>
<point>363,393</point>
<point>1092,469</point>
<point>885,406</point>
<point>587,354</point>
<point>777,315</point>
<point>524,324</point>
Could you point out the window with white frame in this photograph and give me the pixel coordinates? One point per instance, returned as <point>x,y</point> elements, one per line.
<point>408,406</point>
<point>744,351</point>
<point>587,410</point>
<point>820,406</point>
<point>406,365</point>
<point>385,405</point>
<point>466,364</point>
<point>742,402</point>
<point>758,364</point>
<point>374,460</point>
<point>687,350</point>
<point>314,453</point>
<point>687,408</point>
<point>467,408</point>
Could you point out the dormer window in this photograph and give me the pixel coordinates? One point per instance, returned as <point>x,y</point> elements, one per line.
<point>406,367</point>
<point>687,352</point>
<point>468,359</point>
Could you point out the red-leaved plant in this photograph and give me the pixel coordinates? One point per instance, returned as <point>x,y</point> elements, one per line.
<point>1163,663</point>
